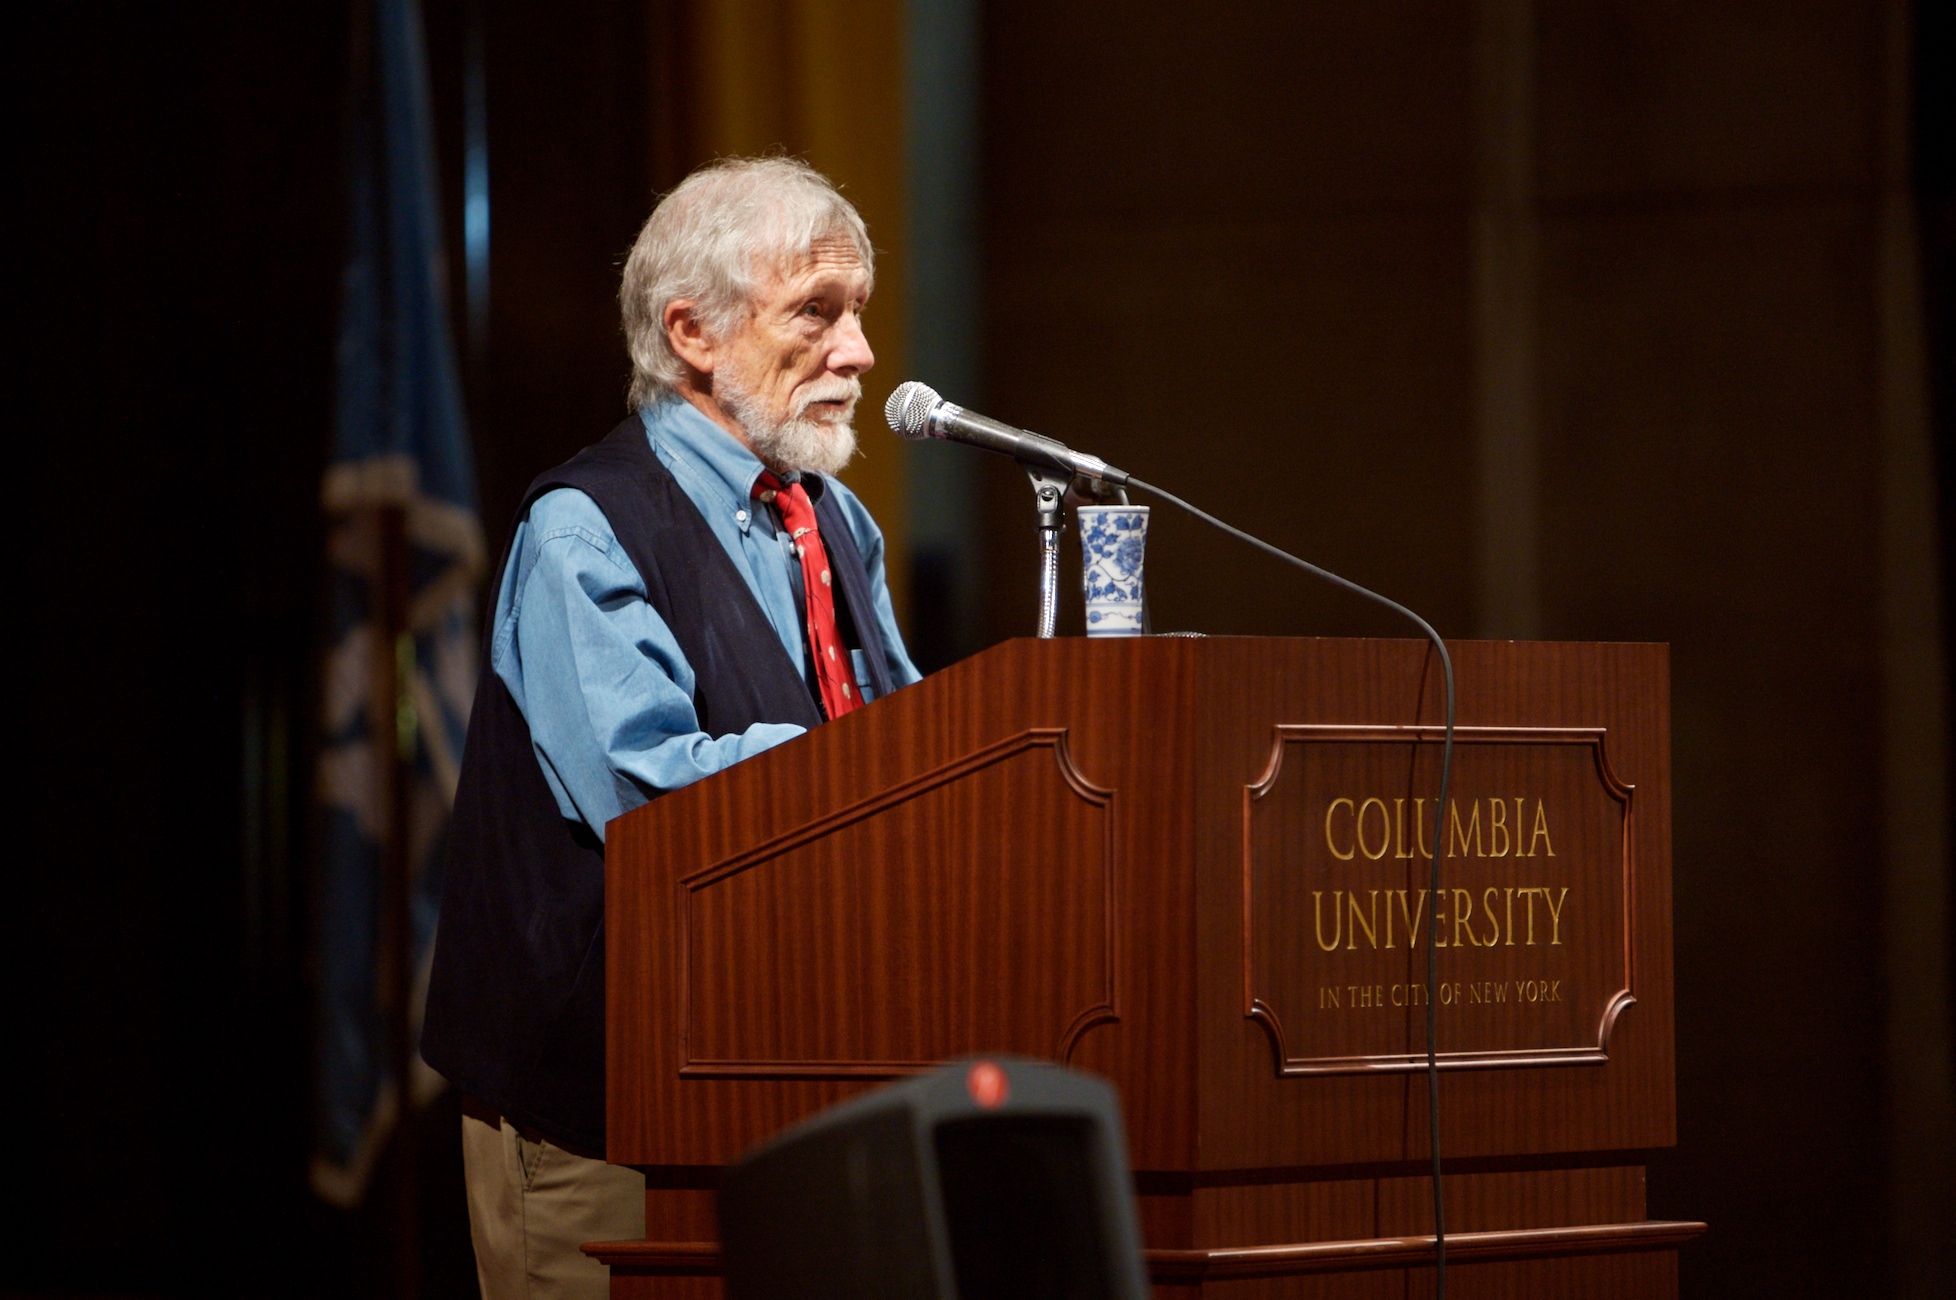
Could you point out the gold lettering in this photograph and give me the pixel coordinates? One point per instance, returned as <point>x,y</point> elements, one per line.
<point>1327,998</point>
<point>1530,894</point>
<point>1493,919</point>
<point>1412,918</point>
<point>1399,829</point>
<point>1419,828</point>
<point>1457,838</point>
<point>1439,919</point>
<point>1539,991</point>
<point>1555,911</point>
<point>1511,918</point>
<point>1385,829</point>
<point>1541,835</point>
<point>1518,852</point>
<point>1358,919</point>
<point>1337,917</point>
<point>1329,842</point>
<point>1497,829</point>
<point>1462,897</point>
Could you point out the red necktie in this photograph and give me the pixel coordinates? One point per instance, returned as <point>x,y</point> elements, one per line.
<point>840,692</point>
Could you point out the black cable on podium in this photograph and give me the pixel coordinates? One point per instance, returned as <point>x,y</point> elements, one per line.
<point>1433,882</point>
<point>915,411</point>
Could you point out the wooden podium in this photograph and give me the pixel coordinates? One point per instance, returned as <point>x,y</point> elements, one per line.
<point>1196,866</point>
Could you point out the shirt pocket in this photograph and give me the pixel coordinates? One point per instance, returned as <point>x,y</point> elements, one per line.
<point>865,684</point>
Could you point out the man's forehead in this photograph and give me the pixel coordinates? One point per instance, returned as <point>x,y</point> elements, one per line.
<point>831,256</point>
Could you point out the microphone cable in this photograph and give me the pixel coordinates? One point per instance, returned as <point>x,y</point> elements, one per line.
<point>915,410</point>
<point>1433,881</point>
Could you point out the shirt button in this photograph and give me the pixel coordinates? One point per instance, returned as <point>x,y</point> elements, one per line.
<point>740,516</point>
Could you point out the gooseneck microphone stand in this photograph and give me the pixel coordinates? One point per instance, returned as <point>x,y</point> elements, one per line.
<point>1049,495</point>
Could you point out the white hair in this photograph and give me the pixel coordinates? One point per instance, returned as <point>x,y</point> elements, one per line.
<point>711,240</point>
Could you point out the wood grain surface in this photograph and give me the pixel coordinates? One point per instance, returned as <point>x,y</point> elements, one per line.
<point>1104,852</point>
<point>892,934</point>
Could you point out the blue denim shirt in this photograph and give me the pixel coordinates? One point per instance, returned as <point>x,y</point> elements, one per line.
<point>597,674</point>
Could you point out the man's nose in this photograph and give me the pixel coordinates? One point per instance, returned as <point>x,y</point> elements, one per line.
<point>850,355</point>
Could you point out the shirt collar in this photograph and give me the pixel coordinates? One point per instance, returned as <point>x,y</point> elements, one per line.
<point>726,467</point>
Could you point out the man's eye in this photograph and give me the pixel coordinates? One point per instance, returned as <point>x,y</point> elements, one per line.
<point>813,309</point>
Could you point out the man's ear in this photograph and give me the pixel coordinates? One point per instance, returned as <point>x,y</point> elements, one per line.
<point>687,337</point>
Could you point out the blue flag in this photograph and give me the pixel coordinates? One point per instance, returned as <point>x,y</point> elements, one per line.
<point>401,468</point>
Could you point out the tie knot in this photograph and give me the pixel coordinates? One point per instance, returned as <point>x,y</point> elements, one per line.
<point>791,499</point>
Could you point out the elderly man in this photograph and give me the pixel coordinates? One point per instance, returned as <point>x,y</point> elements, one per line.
<point>688,592</point>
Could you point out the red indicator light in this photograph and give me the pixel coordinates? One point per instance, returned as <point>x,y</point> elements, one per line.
<point>988,1085</point>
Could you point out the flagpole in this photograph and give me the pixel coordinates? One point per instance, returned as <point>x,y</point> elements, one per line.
<point>400,454</point>
<point>394,680</point>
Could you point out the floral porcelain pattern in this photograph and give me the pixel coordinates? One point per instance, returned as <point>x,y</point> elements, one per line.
<point>1113,541</point>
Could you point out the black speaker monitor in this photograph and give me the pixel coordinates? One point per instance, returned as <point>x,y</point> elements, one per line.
<point>993,1179</point>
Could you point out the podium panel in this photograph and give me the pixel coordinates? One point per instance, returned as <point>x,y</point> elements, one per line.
<point>882,938</point>
<point>1197,866</point>
<point>1535,940</point>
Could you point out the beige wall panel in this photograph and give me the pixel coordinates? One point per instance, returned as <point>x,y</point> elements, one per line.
<point>1708,439</point>
<point>1117,112</point>
<point>1306,380</point>
<point>1227,250</point>
<point>1709,479</point>
<point>1640,97</point>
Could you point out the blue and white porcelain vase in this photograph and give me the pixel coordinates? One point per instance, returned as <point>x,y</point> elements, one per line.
<point>1113,543</point>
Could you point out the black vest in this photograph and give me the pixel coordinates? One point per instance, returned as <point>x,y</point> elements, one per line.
<point>516,998</point>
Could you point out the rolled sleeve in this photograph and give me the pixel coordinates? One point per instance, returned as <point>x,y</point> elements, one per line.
<point>599,677</point>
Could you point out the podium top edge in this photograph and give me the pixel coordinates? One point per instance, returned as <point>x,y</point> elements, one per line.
<point>1199,638</point>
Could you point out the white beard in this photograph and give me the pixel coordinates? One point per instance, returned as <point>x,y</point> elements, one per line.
<point>796,444</point>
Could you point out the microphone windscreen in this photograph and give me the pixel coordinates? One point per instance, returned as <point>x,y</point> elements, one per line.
<point>908,410</point>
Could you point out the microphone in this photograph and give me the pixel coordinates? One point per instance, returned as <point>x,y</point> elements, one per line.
<point>915,412</point>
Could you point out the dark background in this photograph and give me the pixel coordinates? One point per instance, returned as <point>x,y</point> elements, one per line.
<point>1203,236</point>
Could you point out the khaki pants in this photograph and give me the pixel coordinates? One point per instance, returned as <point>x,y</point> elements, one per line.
<point>531,1205</point>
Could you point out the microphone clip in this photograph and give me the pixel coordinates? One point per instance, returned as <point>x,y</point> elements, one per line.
<point>1049,488</point>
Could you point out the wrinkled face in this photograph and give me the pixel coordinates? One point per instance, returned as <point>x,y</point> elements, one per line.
<point>789,374</point>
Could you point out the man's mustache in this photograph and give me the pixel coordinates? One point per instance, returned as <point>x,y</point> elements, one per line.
<point>849,391</point>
